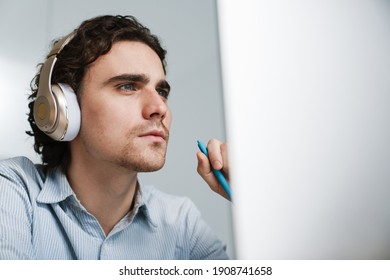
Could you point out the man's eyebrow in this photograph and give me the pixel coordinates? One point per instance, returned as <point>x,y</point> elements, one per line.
<point>128,78</point>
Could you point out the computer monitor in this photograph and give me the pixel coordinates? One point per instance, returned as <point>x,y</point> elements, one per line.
<point>307,105</point>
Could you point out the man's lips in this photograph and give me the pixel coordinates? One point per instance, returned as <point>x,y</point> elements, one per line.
<point>154,133</point>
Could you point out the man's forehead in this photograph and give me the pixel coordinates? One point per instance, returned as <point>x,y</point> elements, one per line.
<point>131,50</point>
<point>129,58</point>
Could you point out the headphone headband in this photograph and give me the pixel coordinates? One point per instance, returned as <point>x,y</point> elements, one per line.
<point>60,44</point>
<point>50,102</point>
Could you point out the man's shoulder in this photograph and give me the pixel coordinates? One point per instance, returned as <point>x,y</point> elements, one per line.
<point>17,164</point>
<point>20,170</point>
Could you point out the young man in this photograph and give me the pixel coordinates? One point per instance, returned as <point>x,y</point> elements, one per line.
<point>85,201</point>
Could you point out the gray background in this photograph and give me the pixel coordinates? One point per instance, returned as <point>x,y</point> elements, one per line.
<point>188,29</point>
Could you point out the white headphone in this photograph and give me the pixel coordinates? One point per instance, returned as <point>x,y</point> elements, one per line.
<point>56,110</point>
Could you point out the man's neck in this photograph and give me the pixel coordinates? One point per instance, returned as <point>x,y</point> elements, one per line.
<point>105,190</point>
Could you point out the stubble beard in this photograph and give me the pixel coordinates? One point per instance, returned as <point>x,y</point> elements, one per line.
<point>146,158</point>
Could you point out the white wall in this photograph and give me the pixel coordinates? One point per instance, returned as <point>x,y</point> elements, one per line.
<point>188,30</point>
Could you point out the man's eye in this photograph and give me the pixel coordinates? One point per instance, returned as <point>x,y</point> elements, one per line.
<point>127,87</point>
<point>163,93</point>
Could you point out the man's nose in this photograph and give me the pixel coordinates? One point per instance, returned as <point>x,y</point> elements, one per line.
<point>154,106</point>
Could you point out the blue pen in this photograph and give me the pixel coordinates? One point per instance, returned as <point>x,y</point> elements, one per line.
<point>221,179</point>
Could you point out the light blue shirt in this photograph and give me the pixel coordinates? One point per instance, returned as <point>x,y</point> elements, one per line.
<point>41,218</point>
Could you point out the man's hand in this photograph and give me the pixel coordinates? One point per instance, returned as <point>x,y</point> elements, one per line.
<point>218,159</point>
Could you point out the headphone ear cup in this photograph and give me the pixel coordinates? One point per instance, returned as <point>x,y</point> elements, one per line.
<point>68,112</point>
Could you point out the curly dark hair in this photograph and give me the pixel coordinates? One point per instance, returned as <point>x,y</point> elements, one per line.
<point>92,39</point>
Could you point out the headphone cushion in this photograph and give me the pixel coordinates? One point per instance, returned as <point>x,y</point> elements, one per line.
<point>73,112</point>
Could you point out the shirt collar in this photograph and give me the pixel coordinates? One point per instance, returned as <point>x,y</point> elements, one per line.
<point>144,205</point>
<point>56,187</point>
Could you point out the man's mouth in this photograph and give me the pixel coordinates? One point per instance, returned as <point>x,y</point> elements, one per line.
<point>154,135</point>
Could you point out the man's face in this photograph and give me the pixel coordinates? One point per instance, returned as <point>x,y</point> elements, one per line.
<point>125,118</point>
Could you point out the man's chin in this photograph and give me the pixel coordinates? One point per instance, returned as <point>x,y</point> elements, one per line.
<point>147,158</point>
<point>143,166</point>
<point>151,169</point>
